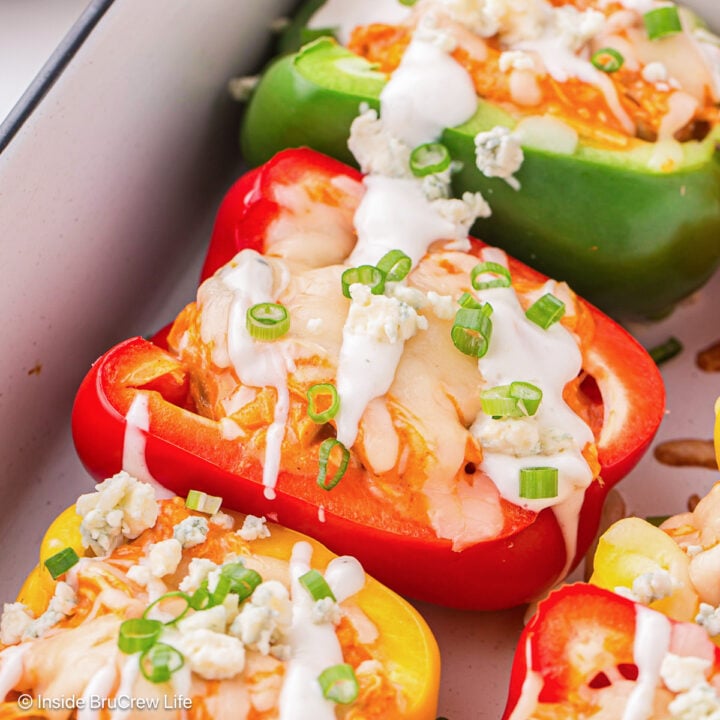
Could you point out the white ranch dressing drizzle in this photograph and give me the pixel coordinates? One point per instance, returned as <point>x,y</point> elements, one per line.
<point>99,686</point>
<point>134,459</point>
<point>530,691</point>
<point>314,646</point>
<point>652,640</point>
<point>251,280</point>
<point>427,93</point>
<point>395,214</point>
<point>128,676</point>
<point>366,369</point>
<point>520,350</point>
<point>11,667</point>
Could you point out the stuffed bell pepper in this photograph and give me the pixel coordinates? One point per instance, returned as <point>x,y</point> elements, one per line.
<point>589,653</point>
<point>358,369</point>
<point>589,125</point>
<point>146,608</point>
<point>673,568</point>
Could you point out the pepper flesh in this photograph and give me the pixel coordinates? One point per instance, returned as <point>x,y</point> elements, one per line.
<point>405,643</point>
<point>631,240</point>
<point>184,450</point>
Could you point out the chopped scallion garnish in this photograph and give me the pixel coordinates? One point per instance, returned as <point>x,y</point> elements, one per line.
<point>501,276</point>
<point>467,300</point>
<point>428,159</point>
<point>518,399</point>
<point>138,634</point>
<point>61,562</point>
<point>395,265</point>
<point>167,599</point>
<point>242,580</point>
<point>546,311</point>
<point>472,330</point>
<point>202,502</point>
<point>316,585</point>
<point>339,684</point>
<point>607,59</point>
<point>527,395</point>
<point>368,275</point>
<point>159,662</point>
<point>662,21</point>
<point>538,483</point>
<point>323,402</point>
<point>267,321</point>
<point>323,460</point>
<point>666,351</point>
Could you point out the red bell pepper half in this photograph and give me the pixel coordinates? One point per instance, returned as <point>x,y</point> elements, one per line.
<point>588,650</point>
<point>183,450</point>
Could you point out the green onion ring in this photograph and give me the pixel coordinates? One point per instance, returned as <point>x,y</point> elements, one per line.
<point>267,321</point>
<point>429,158</point>
<point>546,311</point>
<point>502,273</point>
<point>322,390</point>
<point>160,661</point>
<point>168,595</point>
<point>662,21</point>
<point>538,483</point>
<point>61,562</point>
<point>138,634</point>
<point>339,684</point>
<point>314,582</point>
<point>368,275</point>
<point>472,330</point>
<point>607,59</point>
<point>323,459</point>
<point>395,265</point>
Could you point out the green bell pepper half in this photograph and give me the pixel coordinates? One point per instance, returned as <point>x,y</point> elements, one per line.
<point>632,240</point>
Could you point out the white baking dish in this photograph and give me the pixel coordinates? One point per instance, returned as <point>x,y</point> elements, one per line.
<point>107,194</point>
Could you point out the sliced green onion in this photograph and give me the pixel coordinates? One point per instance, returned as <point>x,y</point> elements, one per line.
<point>666,351</point>
<point>662,21</point>
<point>61,562</point>
<point>187,600</point>
<point>242,580</point>
<point>202,502</point>
<point>607,59</point>
<point>496,401</point>
<point>537,483</point>
<point>528,396</point>
<point>368,275</point>
<point>202,598</point>
<point>159,662</point>
<point>515,400</point>
<point>221,591</point>
<point>138,634</point>
<point>502,274</point>
<point>395,265</point>
<point>324,457</point>
<point>324,393</point>
<point>409,3</point>
<point>467,300</point>
<point>430,158</point>
<point>316,585</point>
<point>339,684</point>
<point>546,311</point>
<point>472,330</point>
<point>267,321</point>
